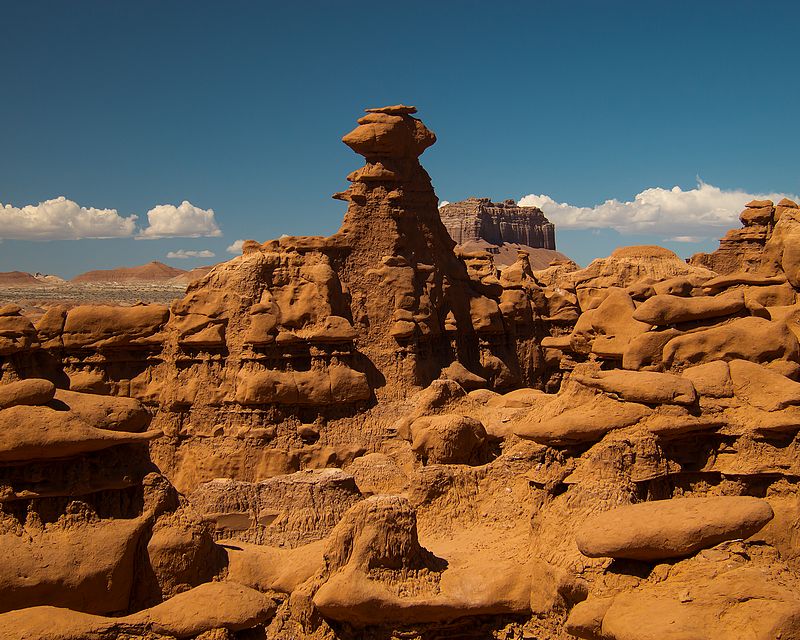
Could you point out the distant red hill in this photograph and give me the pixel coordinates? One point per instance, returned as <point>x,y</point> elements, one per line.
<point>152,271</point>
<point>18,279</point>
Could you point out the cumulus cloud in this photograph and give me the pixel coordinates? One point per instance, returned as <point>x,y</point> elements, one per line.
<point>236,247</point>
<point>704,211</point>
<point>443,203</point>
<point>62,219</point>
<point>183,221</point>
<point>183,253</point>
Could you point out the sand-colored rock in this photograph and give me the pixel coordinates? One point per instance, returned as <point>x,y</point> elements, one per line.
<point>753,339</point>
<point>26,392</point>
<point>644,387</point>
<point>215,605</point>
<point>42,433</point>
<point>712,379</point>
<point>393,435</point>
<point>448,439</point>
<point>762,387</point>
<point>587,423</point>
<point>671,528</point>
<point>664,309</point>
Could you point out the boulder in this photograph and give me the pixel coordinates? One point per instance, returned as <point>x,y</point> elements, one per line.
<point>587,423</point>
<point>762,387</point>
<point>646,350</point>
<point>712,379</point>
<point>646,387</point>
<point>32,391</point>
<point>753,339</point>
<point>114,413</point>
<point>671,528</point>
<point>463,376</point>
<point>448,439</point>
<point>42,433</point>
<point>729,603</point>
<point>661,310</point>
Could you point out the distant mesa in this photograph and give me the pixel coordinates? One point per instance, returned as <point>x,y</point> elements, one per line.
<point>152,271</point>
<point>503,229</point>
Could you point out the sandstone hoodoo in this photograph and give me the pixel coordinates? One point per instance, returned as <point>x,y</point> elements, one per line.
<point>380,434</point>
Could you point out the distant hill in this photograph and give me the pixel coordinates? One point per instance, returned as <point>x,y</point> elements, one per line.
<point>151,272</point>
<point>506,253</point>
<point>18,279</point>
<point>24,279</point>
<point>191,276</point>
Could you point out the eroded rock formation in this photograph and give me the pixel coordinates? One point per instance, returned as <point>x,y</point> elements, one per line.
<point>369,435</point>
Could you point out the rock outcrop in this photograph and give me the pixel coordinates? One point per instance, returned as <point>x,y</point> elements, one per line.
<point>497,223</point>
<point>375,435</point>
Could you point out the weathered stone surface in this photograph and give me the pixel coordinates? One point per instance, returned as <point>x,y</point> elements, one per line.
<point>753,339</point>
<point>661,310</point>
<point>671,528</point>
<point>26,392</point>
<point>641,386</point>
<point>762,387</point>
<point>587,423</point>
<point>497,223</point>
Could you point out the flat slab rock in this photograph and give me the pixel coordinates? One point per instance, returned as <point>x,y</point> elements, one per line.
<point>671,528</point>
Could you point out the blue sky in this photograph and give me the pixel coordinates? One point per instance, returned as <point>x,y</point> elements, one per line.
<point>239,107</point>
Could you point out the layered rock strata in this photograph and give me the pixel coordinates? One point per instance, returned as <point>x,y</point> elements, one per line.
<point>497,223</point>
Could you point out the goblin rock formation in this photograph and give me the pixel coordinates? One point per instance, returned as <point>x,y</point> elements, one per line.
<point>369,435</point>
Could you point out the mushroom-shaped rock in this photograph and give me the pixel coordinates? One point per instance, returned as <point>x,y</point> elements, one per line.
<point>671,528</point>
<point>647,387</point>
<point>32,391</point>
<point>390,132</point>
<point>667,309</point>
<point>586,423</point>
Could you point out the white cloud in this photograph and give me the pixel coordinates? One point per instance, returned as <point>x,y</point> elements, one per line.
<point>183,221</point>
<point>183,253</point>
<point>442,203</point>
<point>685,239</point>
<point>236,247</point>
<point>62,219</point>
<point>705,211</point>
